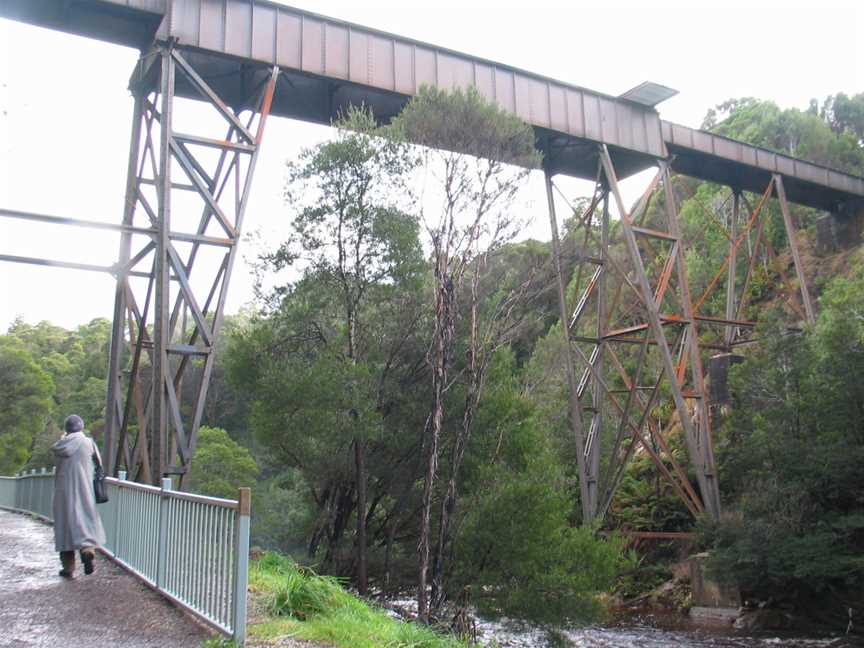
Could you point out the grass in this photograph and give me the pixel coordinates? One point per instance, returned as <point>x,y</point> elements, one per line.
<point>304,605</point>
<point>218,642</point>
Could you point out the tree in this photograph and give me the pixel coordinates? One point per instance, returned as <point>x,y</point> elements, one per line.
<point>355,240</point>
<point>221,465</point>
<point>479,157</point>
<point>25,403</point>
<point>831,139</point>
<point>76,361</point>
<point>517,548</point>
<point>790,458</point>
<point>845,115</point>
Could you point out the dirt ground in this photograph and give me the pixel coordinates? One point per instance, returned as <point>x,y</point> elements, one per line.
<point>108,608</point>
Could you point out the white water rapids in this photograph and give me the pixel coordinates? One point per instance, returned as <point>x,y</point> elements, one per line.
<point>503,633</point>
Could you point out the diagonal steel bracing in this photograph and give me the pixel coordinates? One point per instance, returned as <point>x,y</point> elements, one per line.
<point>654,340</point>
<point>748,244</point>
<point>190,190</point>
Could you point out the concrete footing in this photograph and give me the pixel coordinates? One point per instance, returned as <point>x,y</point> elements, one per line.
<point>707,592</point>
<point>719,615</point>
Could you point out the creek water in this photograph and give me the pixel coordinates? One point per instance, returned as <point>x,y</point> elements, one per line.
<point>644,631</point>
<point>639,634</point>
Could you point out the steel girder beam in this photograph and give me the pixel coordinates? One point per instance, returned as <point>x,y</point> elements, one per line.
<point>189,192</point>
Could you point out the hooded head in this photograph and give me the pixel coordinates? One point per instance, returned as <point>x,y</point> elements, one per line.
<point>73,423</point>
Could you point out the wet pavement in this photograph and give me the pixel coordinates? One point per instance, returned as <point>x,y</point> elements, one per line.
<point>38,608</point>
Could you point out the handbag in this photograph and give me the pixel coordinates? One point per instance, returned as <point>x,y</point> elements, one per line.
<point>99,489</point>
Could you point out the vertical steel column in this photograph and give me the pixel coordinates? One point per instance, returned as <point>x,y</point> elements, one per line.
<point>576,420</point>
<point>167,427</point>
<point>704,461</point>
<point>161,335</point>
<point>730,280</point>
<point>597,387</point>
<point>793,245</point>
<point>114,405</point>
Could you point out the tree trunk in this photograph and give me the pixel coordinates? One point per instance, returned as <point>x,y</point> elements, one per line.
<point>448,505</point>
<point>343,506</point>
<point>391,531</point>
<point>444,324</point>
<point>360,463</point>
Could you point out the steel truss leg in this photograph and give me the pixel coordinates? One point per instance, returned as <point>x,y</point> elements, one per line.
<point>699,428</point>
<point>191,192</point>
<point>733,263</point>
<point>696,426</point>
<point>645,324</point>
<point>793,245</point>
<point>576,415</point>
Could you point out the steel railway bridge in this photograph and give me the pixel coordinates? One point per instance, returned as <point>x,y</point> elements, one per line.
<point>186,195</point>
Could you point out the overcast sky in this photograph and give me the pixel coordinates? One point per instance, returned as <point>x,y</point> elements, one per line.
<point>65,112</point>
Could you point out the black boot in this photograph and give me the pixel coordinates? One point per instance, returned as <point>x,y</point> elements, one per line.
<point>67,559</point>
<point>87,558</point>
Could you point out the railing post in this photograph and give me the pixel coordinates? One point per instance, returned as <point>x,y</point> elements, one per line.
<point>241,564</point>
<point>16,495</point>
<point>31,491</point>
<point>43,493</point>
<point>162,532</point>
<point>118,510</point>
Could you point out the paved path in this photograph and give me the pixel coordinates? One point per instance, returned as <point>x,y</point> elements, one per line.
<point>108,608</point>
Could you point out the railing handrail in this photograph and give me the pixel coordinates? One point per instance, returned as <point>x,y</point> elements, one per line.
<point>192,497</point>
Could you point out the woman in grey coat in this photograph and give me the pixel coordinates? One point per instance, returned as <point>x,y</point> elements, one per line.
<point>77,525</point>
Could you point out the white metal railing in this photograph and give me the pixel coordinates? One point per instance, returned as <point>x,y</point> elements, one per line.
<point>192,549</point>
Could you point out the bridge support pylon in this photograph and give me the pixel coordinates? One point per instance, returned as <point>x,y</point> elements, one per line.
<point>186,195</point>
<point>621,358</point>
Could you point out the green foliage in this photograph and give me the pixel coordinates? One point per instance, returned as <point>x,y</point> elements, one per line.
<point>463,121</point>
<point>76,361</point>
<point>518,549</point>
<point>323,363</point>
<point>308,407</point>
<point>218,642</point>
<point>645,501</point>
<point>647,575</point>
<point>318,608</point>
<point>25,403</point>
<point>352,224</point>
<point>844,114</point>
<point>791,456</point>
<point>41,455</point>
<point>526,560</point>
<point>831,140</point>
<point>221,465</point>
<point>296,591</point>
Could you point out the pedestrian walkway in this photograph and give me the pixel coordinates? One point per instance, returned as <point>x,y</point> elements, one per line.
<point>108,608</point>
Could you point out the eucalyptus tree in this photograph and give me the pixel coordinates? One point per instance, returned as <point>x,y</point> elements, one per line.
<point>475,159</point>
<point>354,242</point>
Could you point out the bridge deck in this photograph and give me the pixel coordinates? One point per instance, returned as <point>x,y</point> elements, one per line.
<point>329,63</point>
<point>108,608</point>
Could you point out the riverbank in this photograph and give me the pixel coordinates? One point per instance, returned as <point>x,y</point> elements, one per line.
<point>291,607</point>
<point>291,603</point>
